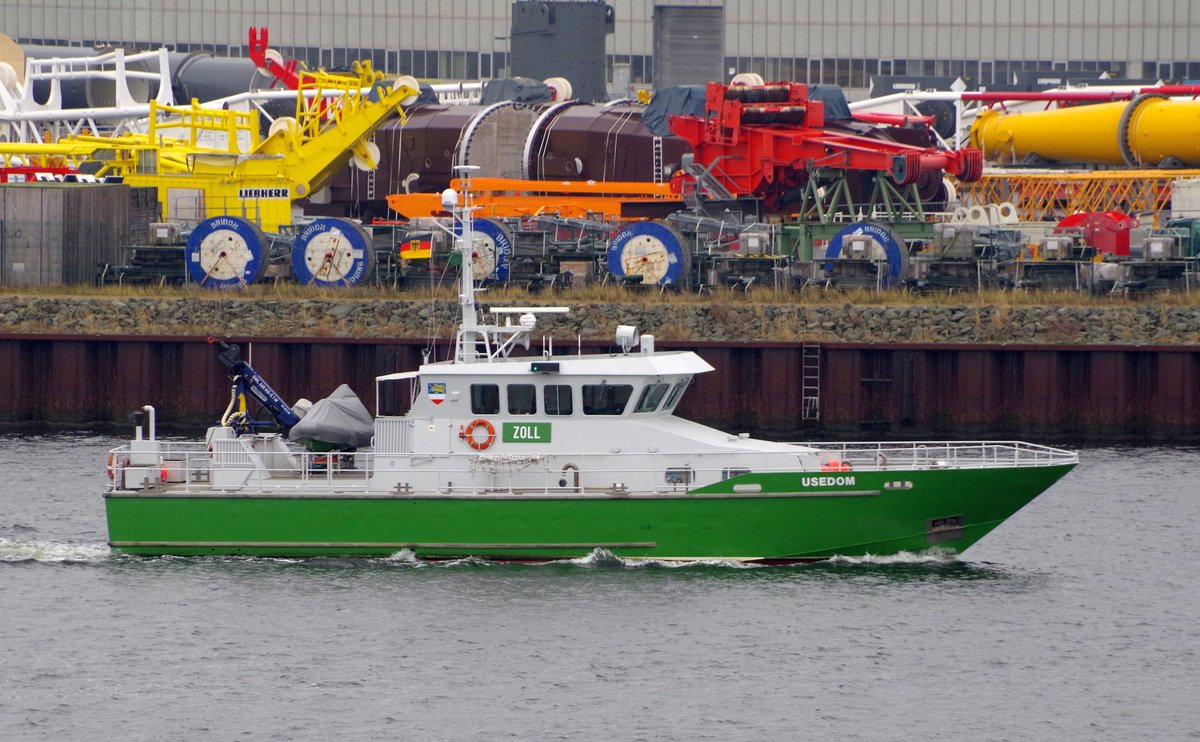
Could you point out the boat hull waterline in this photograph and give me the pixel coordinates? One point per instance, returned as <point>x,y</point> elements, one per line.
<point>944,508</point>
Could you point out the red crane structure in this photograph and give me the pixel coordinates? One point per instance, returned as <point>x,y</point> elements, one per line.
<point>272,62</point>
<point>774,142</point>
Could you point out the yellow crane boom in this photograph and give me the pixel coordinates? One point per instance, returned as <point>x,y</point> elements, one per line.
<point>211,162</point>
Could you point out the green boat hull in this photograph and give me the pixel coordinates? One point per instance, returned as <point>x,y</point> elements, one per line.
<point>768,517</point>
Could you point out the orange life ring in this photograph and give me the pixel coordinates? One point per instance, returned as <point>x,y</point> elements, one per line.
<point>468,434</point>
<point>835,465</point>
<point>116,462</point>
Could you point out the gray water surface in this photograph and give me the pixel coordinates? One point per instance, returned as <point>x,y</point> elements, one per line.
<point>1077,620</point>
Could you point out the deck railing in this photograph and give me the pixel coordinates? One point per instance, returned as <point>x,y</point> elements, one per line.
<point>232,466</point>
<point>872,456</point>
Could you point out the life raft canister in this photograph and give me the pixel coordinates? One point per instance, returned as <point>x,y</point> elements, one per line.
<point>468,434</point>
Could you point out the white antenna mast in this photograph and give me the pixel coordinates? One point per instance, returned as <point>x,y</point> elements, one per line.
<point>470,330</point>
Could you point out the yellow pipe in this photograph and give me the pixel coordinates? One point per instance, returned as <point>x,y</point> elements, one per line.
<point>37,148</point>
<point>1161,128</point>
<point>1144,132</point>
<point>1075,134</point>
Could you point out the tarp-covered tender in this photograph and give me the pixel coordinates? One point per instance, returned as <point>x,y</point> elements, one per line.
<point>339,420</point>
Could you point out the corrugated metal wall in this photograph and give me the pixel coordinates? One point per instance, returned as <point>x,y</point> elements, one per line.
<point>814,40</point>
<point>1079,392</point>
<point>59,233</point>
<point>684,40</point>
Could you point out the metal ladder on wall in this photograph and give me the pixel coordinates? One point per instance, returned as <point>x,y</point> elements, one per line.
<point>810,383</point>
<point>658,160</point>
<point>371,180</point>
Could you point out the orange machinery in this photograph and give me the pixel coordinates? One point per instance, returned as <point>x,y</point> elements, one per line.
<point>509,197</point>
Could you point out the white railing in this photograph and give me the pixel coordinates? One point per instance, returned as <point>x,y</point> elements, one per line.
<point>871,456</point>
<point>193,468</point>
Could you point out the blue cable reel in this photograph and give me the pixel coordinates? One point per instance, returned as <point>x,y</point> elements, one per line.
<point>332,253</point>
<point>894,250</point>
<point>225,252</point>
<point>651,250</point>
<point>493,250</point>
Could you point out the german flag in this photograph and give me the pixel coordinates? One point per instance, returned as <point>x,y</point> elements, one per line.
<point>416,247</point>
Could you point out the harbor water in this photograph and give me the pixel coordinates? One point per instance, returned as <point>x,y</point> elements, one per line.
<point>1076,619</point>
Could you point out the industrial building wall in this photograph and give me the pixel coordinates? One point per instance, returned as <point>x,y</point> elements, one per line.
<point>833,41</point>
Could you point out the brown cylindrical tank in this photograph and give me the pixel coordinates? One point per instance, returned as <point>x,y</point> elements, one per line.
<point>601,143</point>
<point>570,140</point>
<point>419,156</point>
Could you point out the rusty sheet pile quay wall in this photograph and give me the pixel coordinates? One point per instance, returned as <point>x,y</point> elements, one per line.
<point>1128,371</point>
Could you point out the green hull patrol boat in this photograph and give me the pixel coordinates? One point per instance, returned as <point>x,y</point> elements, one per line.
<point>544,457</point>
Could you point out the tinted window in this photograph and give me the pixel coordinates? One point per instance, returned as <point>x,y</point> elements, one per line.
<point>676,393</point>
<point>522,399</point>
<point>650,398</point>
<point>606,399</point>
<point>485,399</point>
<point>556,399</point>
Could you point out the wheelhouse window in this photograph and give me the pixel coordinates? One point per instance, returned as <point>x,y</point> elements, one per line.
<point>650,398</point>
<point>606,399</point>
<point>676,393</point>
<point>485,399</point>
<point>522,399</point>
<point>557,399</point>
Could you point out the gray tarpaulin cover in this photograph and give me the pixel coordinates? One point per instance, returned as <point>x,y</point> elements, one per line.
<point>340,419</point>
<point>428,96</point>
<point>836,107</point>
<point>677,100</point>
<point>518,89</point>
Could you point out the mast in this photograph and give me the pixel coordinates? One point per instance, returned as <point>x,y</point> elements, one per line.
<point>497,340</point>
<point>469,331</point>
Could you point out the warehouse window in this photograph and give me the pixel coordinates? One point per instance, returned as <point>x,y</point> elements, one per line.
<point>858,73</point>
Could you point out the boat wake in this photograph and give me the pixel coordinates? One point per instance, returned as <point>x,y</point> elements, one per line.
<point>933,556</point>
<point>19,552</point>
<point>26,551</point>
<point>605,559</point>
